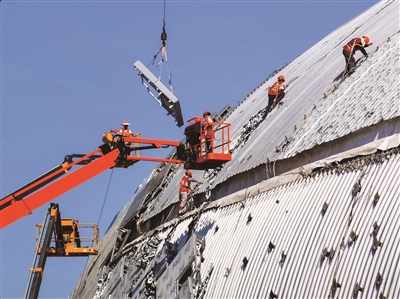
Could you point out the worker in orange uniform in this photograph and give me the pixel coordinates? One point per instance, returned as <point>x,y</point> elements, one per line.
<point>208,130</point>
<point>276,93</point>
<point>356,44</point>
<point>184,188</point>
<point>126,132</point>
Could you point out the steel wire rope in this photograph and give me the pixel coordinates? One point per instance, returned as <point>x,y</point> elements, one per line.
<point>164,10</point>
<point>101,212</point>
<point>164,55</point>
<point>166,58</point>
<point>160,64</point>
<point>105,197</point>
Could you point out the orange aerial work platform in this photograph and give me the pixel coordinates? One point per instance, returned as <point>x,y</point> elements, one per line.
<point>207,150</point>
<point>198,152</point>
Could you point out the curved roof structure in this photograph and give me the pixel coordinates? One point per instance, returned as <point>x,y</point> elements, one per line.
<point>307,208</point>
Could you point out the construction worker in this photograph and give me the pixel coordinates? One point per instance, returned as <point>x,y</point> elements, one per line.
<point>126,132</point>
<point>356,44</point>
<point>276,93</point>
<point>184,188</point>
<point>76,234</point>
<point>208,130</point>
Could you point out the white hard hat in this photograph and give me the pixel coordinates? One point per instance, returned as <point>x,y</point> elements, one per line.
<point>125,123</point>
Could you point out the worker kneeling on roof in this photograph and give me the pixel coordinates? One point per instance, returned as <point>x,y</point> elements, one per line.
<point>276,93</point>
<point>356,44</point>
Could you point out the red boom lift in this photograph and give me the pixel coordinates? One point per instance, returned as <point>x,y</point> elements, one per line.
<point>115,153</point>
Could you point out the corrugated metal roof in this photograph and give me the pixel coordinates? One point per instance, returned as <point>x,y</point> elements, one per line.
<point>290,216</point>
<point>294,247</point>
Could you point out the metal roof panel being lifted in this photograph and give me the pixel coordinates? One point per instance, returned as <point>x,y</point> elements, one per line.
<point>161,93</point>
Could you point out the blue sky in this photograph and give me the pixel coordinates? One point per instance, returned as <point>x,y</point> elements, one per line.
<point>67,77</point>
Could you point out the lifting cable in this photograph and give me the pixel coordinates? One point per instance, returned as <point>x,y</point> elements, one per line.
<point>101,212</point>
<point>164,56</point>
<point>105,197</point>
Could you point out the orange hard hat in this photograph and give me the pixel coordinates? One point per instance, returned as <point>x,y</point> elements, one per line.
<point>125,123</point>
<point>188,172</point>
<point>207,112</point>
<point>281,78</point>
<point>366,38</point>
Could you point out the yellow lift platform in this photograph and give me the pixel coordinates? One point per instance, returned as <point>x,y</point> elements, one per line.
<point>61,238</point>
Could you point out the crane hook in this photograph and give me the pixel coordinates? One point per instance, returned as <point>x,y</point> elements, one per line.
<point>163,35</point>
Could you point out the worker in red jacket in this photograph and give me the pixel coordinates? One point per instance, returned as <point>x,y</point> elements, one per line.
<point>356,44</point>
<point>208,130</point>
<point>184,188</point>
<point>276,93</point>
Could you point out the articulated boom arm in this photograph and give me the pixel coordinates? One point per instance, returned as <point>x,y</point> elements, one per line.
<point>117,151</point>
<point>61,179</point>
<point>153,144</point>
<point>53,184</point>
